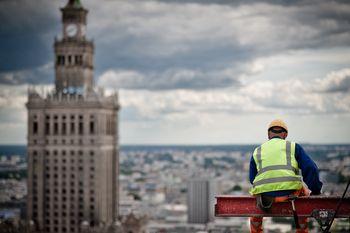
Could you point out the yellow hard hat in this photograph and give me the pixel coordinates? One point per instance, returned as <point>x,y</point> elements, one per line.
<point>279,123</point>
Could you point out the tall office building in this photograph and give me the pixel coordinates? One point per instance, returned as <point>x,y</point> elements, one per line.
<point>72,139</point>
<point>200,200</point>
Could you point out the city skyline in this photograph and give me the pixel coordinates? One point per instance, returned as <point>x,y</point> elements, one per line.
<point>194,72</point>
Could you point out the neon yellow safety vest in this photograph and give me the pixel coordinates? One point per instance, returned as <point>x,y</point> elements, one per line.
<point>277,167</point>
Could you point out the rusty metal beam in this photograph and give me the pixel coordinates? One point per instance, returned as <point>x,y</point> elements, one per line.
<point>245,206</point>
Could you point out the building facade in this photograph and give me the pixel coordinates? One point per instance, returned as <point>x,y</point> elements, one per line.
<point>72,139</point>
<point>200,200</point>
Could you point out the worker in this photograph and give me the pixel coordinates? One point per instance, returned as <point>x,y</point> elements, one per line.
<point>274,173</point>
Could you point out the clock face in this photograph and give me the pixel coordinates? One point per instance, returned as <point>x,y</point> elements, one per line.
<point>71,30</point>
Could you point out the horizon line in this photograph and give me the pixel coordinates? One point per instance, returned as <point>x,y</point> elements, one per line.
<point>198,144</point>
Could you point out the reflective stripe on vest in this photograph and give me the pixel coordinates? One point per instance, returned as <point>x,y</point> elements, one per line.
<point>279,175</point>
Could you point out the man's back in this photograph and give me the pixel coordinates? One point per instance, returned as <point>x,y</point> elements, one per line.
<point>277,168</point>
<point>298,160</point>
<point>274,172</point>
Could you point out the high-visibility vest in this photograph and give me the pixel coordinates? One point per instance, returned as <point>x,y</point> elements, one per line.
<point>277,167</point>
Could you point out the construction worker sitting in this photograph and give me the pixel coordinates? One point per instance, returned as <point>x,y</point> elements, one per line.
<point>274,173</point>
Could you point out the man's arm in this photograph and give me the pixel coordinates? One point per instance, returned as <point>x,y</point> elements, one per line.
<point>252,170</point>
<point>309,170</point>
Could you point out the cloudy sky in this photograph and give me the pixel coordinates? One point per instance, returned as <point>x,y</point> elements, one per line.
<point>193,71</point>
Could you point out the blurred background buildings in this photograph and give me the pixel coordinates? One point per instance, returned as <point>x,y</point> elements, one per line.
<point>75,180</point>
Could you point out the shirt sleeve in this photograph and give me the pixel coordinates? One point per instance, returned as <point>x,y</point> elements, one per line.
<point>252,170</point>
<point>309,170</point>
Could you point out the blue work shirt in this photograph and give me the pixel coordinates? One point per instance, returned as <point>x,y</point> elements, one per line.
<point>309,171</point>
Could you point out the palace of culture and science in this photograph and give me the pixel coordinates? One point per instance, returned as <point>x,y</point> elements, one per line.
<point>72,140</point>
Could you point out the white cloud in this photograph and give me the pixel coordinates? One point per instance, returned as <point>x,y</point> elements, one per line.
<point>291,96</point>
<point>336,81</point>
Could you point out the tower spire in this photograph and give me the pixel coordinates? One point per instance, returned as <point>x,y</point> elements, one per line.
<point>74,3</point>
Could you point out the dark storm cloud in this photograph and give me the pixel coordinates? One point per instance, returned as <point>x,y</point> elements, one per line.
<point>26,33</point>
<point>169,79</point>
<point>40,75</point>
<point>154,38</point>
<point>261,30</point>
<point>241,2</point>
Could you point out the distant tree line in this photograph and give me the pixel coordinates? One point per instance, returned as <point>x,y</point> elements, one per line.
<point>18,174</point>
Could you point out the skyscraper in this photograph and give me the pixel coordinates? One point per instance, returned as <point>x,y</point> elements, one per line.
<point>200,200</point>
<point>72,139</point>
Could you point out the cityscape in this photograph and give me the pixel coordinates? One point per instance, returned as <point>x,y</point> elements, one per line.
<point>155,184</point>
<point>144,141</point>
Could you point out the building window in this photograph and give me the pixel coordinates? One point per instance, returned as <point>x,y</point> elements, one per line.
<point>72,128</point>
<point>77,62</point>
<point>55,128</point>
<point>81,128</point>
<point>60,60</point>
<point>47,124</point>
<point>92,127</point>
<point>35,127</point>
<point>64,128</point>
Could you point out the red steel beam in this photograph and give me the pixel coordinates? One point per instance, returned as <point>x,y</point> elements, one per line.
<point>245,206</point>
